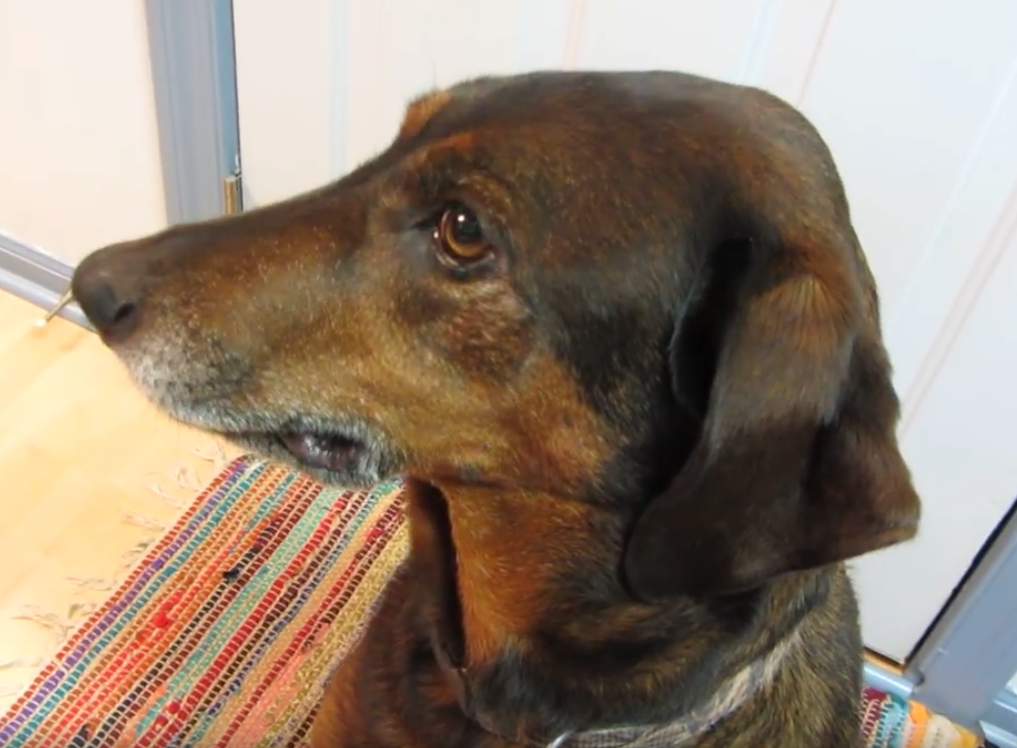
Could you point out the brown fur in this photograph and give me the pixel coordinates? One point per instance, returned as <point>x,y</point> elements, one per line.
<point>419,111</point>
<point>640,438</point>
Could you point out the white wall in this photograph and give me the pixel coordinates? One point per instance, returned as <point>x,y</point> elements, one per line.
<point>79,150</point>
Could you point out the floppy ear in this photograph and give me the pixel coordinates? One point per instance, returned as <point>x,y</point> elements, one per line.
<point>797,464</point>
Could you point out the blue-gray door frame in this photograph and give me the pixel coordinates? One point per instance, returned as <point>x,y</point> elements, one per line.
<point>970,654</point>
<point>194,74</point>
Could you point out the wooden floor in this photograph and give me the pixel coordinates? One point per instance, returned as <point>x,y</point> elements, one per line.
<point>83,460</point>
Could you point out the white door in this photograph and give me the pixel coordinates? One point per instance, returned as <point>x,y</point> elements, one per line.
<point>916,98</point>
<point>79,143</point>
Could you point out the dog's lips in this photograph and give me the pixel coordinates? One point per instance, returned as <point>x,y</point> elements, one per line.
<point>332,453</point>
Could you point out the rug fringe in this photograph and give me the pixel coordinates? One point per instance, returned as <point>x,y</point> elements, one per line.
<point>145,523</point>
<point>20,663</point>
<point>61,626</point>
<point>56,624</point>
<point>216,455</point>
<point>93,584</point>
<point>131,557</point>
<point>161,492</point>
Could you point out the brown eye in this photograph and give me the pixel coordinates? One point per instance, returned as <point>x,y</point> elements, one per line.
<point>459,236</point>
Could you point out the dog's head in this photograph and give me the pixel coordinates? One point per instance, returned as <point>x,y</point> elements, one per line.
<point>617,287</point>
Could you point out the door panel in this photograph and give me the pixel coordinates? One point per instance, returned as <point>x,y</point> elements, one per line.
<point>916,99</point>
<point>647,34</point>
<point>79,143</point>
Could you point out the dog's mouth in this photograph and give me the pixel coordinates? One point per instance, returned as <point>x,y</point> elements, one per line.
<point>354,455</point>
<point>333,453</point>
<point>336,448</point>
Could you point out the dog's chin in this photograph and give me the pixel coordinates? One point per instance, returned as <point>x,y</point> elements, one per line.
<point>342,452</point>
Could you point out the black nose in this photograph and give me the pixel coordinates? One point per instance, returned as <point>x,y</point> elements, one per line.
<point>108,291</point>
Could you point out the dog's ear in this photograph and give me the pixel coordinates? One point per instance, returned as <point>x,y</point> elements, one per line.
<point>797,465</point>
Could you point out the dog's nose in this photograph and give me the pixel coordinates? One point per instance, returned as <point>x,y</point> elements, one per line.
<point>109,293</point>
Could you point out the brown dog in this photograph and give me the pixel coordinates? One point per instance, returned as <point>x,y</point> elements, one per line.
<point>617,333</point>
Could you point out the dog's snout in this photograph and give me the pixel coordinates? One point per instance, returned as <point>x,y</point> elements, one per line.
<point>109,293</point>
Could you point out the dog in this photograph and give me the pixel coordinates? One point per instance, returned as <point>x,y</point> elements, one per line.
<point>618,337</point>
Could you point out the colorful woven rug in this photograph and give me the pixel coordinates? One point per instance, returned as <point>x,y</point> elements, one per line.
<point>225,631</point>
<point>893,722</point>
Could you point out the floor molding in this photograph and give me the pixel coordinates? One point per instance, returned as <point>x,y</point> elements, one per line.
<point>37,278</point>
<point>999,737</point>
<point>1000,721</point>
<point>879,676</point>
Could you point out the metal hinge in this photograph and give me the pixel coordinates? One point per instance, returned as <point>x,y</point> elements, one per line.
<point>232,196</point>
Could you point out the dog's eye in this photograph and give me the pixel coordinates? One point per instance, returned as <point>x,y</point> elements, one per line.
<point>459,237</point>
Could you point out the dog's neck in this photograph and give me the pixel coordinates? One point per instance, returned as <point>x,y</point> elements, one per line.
<point>732,694</point>
<point>493,564</point>
<point>506,552</point>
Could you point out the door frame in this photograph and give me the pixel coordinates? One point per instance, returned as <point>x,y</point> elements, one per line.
<point>962,667</point>
<point>194,77</point>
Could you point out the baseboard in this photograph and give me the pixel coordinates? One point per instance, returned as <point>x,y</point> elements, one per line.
<point>998,737</point>
<point>879,675</point>
<point>995,728</point>
<point>37,278</point>
<point>1000,723</point>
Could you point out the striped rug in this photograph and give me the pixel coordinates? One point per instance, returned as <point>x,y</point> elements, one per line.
<point>224,632</point>
<point>893,722</point>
